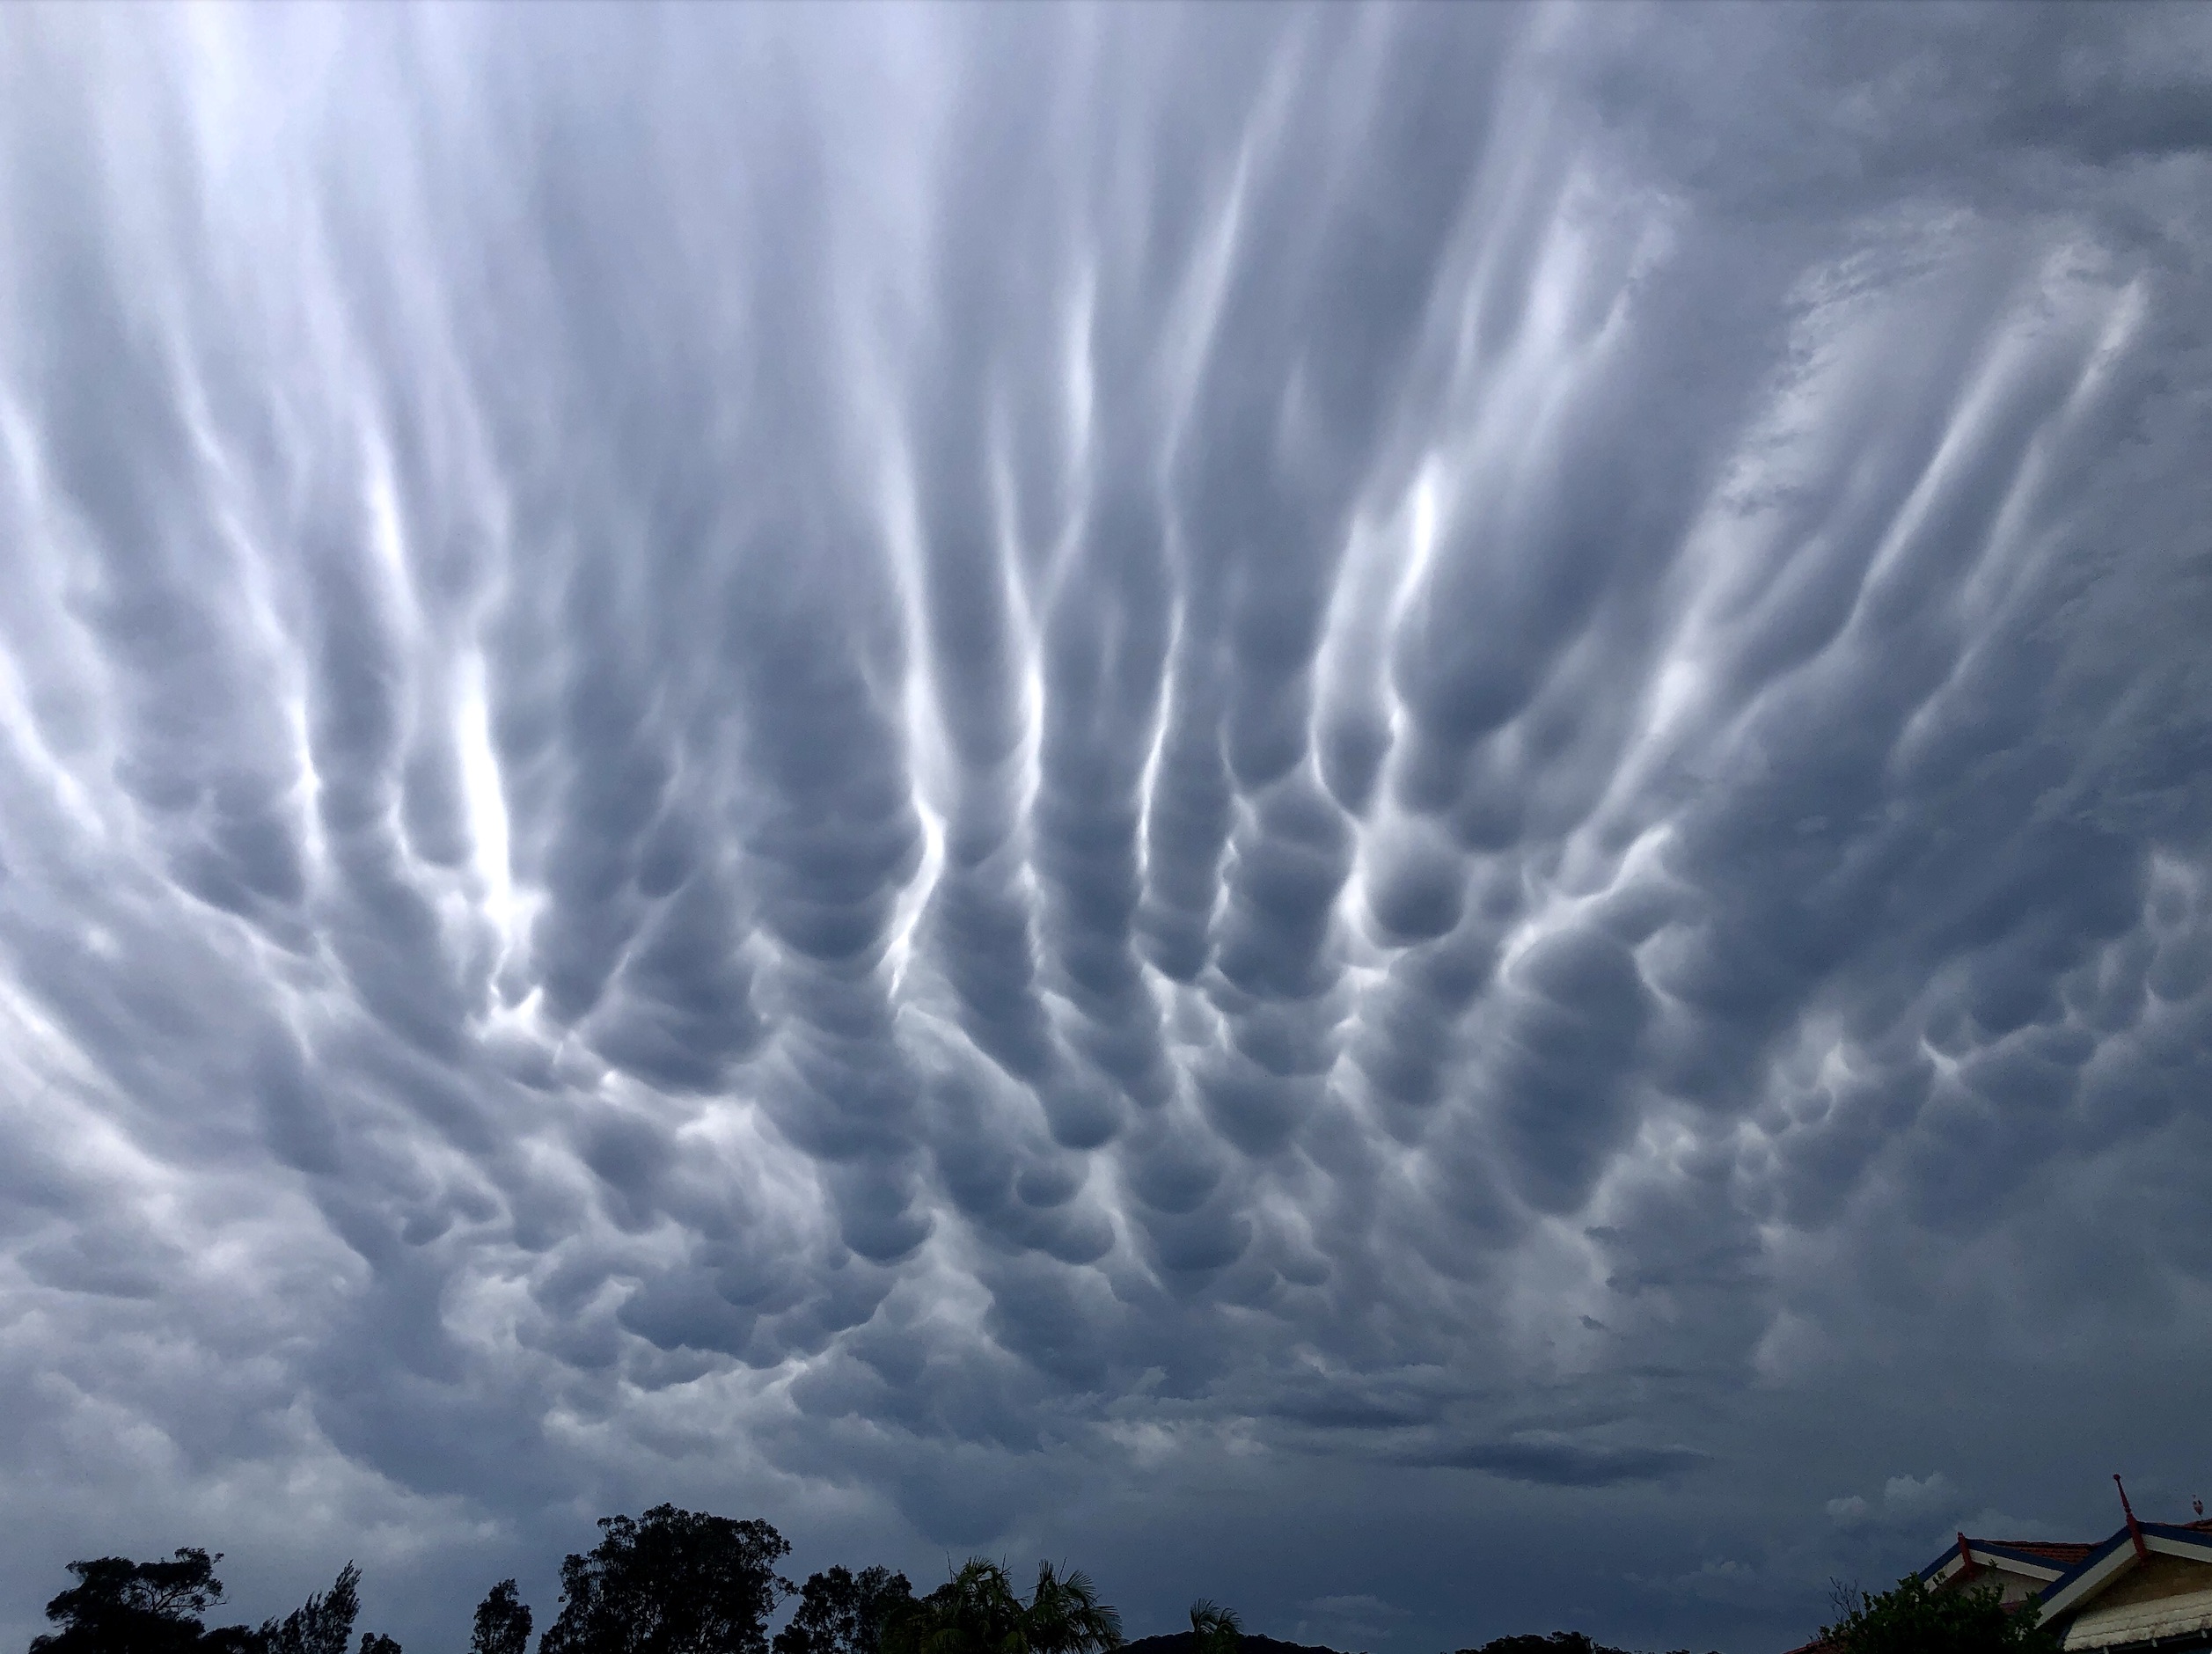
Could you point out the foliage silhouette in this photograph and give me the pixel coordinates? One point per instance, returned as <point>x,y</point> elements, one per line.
<point>978,1612</point>
<point>1910,1619</point>
<point>1064,1616</point>
<point>670,1582</point>
<point>975,1612</point>
<point>1186,1642</point>
<point>684,1582</point>
<point>1215,1630</point>
<point>323,1624</point>
<point>1555,1642</point>
<point>840,1612</point>
<point>502,1622</point>
<point>120,1606</point>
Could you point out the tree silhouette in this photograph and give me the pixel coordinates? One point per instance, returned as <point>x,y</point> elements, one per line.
<point>975,1612</point>
<point>670,1582</point>
<point>1557,1642</point>
<point>1913,1620</point>
<point>323,1624</point>
<point>375,1642</point>
<point>1064,1616</point>
<point>1214,1629</point>
<point>978,1612</point>
<point>120,1606</point>
<point>840,1612</point>
<point>502,1622</point>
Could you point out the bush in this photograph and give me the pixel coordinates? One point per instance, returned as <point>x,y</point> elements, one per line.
<point>1913,1620</point>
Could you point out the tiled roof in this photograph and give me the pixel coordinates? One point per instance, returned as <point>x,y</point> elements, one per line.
<point>2065,1553</point>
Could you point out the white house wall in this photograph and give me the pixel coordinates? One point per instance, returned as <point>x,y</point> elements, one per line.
<point>2163,1597</point>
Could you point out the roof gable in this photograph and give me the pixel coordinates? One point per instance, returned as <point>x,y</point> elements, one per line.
<point>2103,1568</point>
<point>2041,1560</point>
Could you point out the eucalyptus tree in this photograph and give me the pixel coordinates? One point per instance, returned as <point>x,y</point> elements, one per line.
<point>502,1621</point>
<point>670,1582</point>
<point>323,1624</point>
<point>840,1612</point>
<point>120,1606</point>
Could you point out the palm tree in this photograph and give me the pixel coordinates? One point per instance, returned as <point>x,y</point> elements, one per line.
<point>1064,1616</point>
<point>1214,1629</point>
<point>977,1612</point>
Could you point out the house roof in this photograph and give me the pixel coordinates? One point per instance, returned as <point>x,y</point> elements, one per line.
<point>2044,1559</point>
<point>2072,1571</point>
<point>2118,1554</point>
<point>2065,1551</point>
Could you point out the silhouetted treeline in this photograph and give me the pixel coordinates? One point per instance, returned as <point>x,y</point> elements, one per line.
<point>120,1606</point>
<point>671,1581</point>
<point>1557,1642</point>
<point>1188,1643</point>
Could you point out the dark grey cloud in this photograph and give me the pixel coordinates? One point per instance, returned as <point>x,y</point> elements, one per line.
<point>1262,795</point>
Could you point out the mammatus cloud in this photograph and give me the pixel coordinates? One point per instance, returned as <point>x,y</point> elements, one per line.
<point>1325,788</point>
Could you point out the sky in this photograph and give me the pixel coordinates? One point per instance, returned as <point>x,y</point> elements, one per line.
<point>1404,814</point>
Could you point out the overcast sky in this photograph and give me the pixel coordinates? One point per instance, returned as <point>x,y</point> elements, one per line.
<point>1402,814</point>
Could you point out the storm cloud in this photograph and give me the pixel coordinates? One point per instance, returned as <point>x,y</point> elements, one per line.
<point>1402,807</point>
